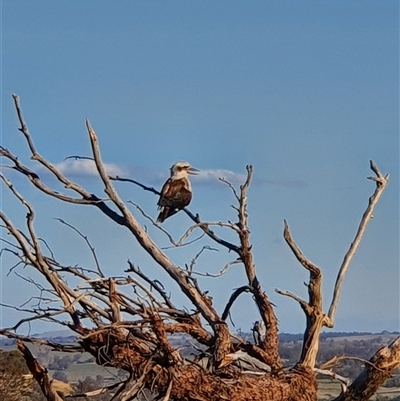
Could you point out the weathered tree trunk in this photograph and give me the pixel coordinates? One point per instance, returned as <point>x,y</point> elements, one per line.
<point>381,365</point>
<point>39,373</point>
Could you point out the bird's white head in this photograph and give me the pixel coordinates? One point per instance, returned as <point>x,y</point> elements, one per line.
<point>181,170</point>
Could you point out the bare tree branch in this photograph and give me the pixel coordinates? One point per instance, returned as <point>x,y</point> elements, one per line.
<point>304,305</point>
<point>345,380</point>
<point>195,218</point>
<point>381,182</point>
<point>233,298</point>
<point>92,250</point>
<point>316,319</point>
<point>270,343</point>
<point>221,272</point>
<point>381,365</point>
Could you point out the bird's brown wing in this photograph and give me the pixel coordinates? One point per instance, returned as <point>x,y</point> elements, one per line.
<point>165,212</point>
<point>174,196</point>
<point>163,203</point>
<point>180,199</point>
<point>164,193</point>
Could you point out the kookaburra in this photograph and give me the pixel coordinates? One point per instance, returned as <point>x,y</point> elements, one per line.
<point>176,193</point>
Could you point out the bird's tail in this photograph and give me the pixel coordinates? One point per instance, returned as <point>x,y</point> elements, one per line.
<point>165,213</point>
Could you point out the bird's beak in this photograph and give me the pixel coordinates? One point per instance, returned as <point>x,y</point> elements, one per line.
<point>193,171</point>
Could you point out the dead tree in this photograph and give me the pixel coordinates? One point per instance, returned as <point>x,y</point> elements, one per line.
<point>127,322</point>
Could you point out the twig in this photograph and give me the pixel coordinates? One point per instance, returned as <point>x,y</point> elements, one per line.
<point>194,260</point>
<point>233,298</point>
<point>230,185</point>
<point>311,267</point>
<point>336,359</point>
<point>304,305</point>
<point>139,184</point>
<point>170,238</point>
<point>221,272</point>
<point>85,238</point>
<point>342,379</point>
<point>205,226</point>
<point>195,218</point>
<point>153,283</point>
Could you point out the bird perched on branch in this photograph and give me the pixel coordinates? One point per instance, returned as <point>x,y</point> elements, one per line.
<point>176,193</point>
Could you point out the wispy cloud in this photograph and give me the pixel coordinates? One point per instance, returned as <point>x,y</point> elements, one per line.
<point>87,168</point>
<point>213,177</point>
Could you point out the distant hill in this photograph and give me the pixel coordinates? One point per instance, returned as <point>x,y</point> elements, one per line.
<point>286,337</point>
<point>66,333</point>
<point>59,336</point>
<point>68,336</point>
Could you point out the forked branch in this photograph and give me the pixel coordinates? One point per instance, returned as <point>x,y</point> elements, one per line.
<point>269,346</point>
<point>316,318</point>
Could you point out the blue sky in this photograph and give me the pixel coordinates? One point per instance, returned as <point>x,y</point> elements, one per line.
<point>307,92</point>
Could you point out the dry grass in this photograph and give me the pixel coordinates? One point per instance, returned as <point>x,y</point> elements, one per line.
<point>328,389</point>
